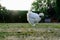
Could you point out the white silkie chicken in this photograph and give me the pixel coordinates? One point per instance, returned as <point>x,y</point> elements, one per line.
<point>33,18</point>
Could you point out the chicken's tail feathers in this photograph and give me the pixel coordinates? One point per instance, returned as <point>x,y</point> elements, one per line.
<point>41,14</point>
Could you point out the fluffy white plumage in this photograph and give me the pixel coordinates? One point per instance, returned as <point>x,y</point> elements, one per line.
<point>34,18</point>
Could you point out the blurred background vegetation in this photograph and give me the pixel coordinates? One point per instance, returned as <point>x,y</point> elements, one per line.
<point>51,9</point>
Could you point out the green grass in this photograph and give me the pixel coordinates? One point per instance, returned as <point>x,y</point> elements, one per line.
<point>26,25</point>
<point>25,31</point>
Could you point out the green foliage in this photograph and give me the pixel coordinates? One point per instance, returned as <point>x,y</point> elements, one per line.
<point>42,5</point>
<point>8,16</point>
<point>38,5</point>
<point>58,9</point>
<point>3,14</point>
<point>48,5</point>
<point>22,16</point>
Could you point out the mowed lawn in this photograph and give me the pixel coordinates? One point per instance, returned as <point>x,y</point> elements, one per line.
<point>24,31</point>
<point>27,25</point>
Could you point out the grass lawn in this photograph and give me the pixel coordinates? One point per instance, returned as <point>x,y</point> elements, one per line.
<point>24,31</point>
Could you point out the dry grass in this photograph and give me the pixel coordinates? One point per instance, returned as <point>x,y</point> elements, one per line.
<point>24,31</point>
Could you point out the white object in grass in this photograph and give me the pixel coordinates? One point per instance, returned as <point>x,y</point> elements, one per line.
<point>33,18</point>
